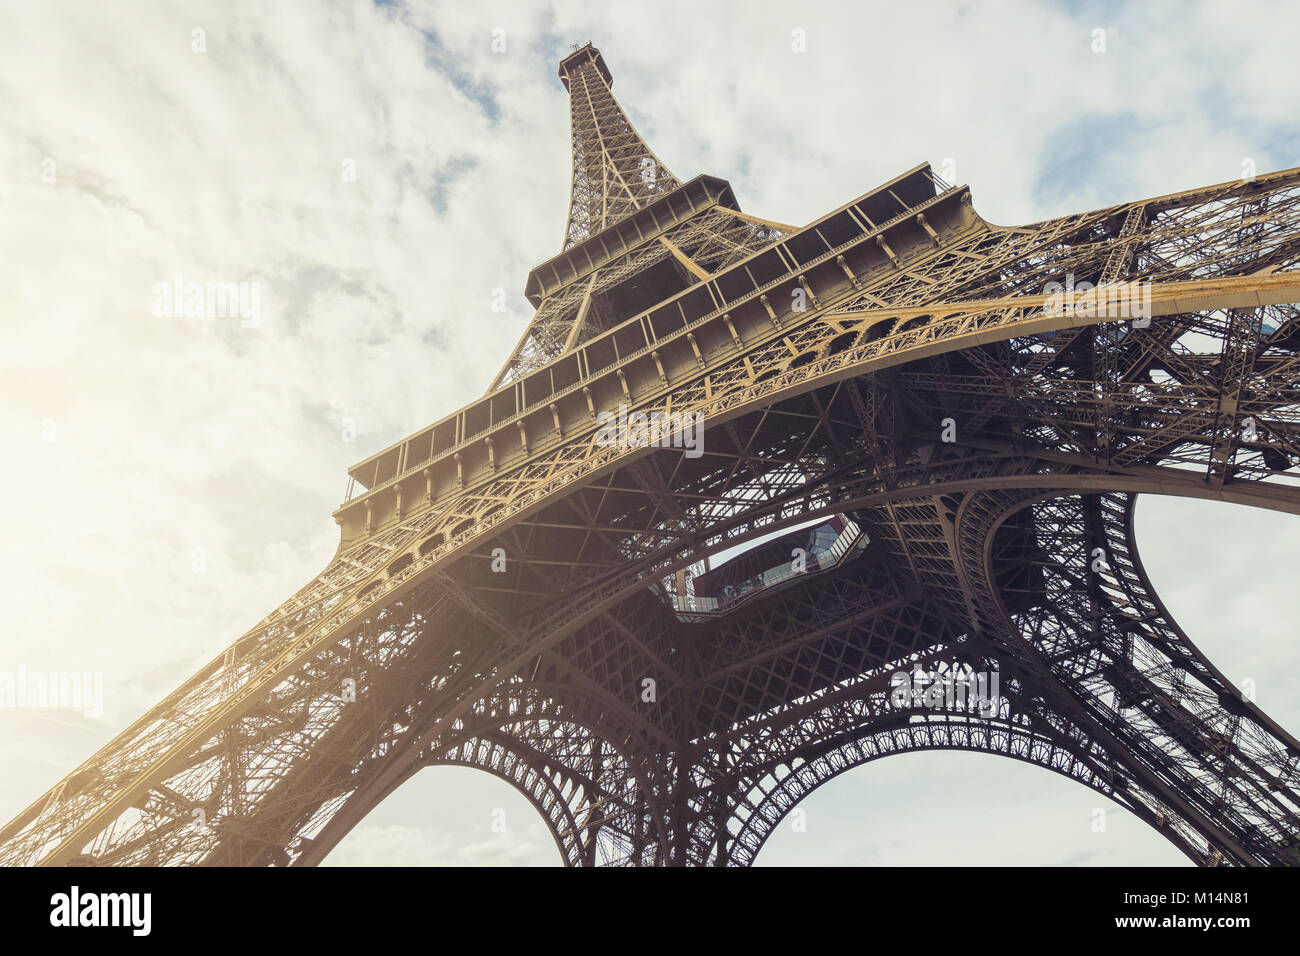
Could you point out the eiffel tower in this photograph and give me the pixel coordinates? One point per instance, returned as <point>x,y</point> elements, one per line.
<point>743,509</point>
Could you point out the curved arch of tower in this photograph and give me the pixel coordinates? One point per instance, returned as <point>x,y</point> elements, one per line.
<point>751,504</point>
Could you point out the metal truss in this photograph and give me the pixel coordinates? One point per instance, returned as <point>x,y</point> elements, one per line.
<point>501,597</point>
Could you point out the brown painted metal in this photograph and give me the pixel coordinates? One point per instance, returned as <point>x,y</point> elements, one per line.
<point>507,584</point>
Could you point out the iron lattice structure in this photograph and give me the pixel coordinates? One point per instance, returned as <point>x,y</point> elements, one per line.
<point>828,364</point>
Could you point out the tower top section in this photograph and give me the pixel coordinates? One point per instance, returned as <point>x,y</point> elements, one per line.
<point>615,172</point>
<point>580,57</point>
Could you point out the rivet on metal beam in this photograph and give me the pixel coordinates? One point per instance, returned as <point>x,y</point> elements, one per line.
<point>929,230</point>
<point>659,365</point>
<point>460,469</point>
<point>695,347</point>
<point>803,281</point>
<point>726,320</point>
<point>523,435</point>
<point>884,246</point>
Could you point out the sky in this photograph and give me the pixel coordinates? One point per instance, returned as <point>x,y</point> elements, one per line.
<point>373,174</point>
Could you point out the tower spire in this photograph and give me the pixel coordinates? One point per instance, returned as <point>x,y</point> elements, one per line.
<point>614,172</point>
<point>635,234</point>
